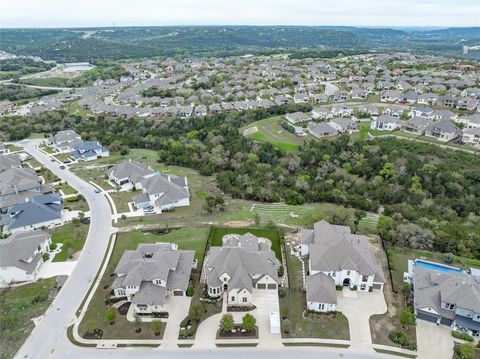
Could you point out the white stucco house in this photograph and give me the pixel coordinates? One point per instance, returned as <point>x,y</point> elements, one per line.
<point>21,256</point>
<point>147,275</point>
<point>242,263</point>
<point>345,257</point>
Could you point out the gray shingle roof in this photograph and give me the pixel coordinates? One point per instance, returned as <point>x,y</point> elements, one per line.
<point>133,170</point>
<point>15,180</point>
<point>154,261</point>
<point>334,248</point>
<point>241,257</point>
<point>19,247</point>
<point>320,288</point>
<point>432,287</point>
<point>168,185</point>
<point>39,209</point>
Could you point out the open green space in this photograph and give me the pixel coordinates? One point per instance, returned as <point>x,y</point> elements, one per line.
<point>186,238</point>
<point>273,235</point>
<point>270,130</point>
<point>72,236</point>
<point>121,200</point>
<point>47,175</point>
<point>62,157</point>
<point>18,306</point>
<point>66,188</point>
<point>293,306</point>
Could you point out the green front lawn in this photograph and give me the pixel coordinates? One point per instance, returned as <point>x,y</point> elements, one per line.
<point>121,200</point>
<point>273,235</point>
<point>66,188</point>
<point>293,306</point>
<point>186,238</point>
<point>72,236</point>
<point>18,306</point>
<point>47,175</point>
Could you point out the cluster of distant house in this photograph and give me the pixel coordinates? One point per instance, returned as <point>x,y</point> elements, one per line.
<point>27,206</point>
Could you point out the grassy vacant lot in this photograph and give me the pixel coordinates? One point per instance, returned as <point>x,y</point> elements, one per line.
<point>270,130</point>
<point>273,234</point>
<point>292,306</point>
<point>47,175</point>
<point>66,188</point>
<point>72,236</point>
<point>186,238</point>
<point>13,148</point>
<point>62,157</point>
<point>18,306</point>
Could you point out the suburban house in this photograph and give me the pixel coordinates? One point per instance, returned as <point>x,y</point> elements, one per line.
<point>445,295</point>
<point>129,172</point>
<point>9,161</point>
<point>321,129</point>
<point>321,293</point>
<point>88,151</point>
<point>385,123</point>
<point>342,111</point>
<point>393,111</point>
<point>471,136</point>
<point>322,113</point>
<point>416,125</point>
<point>443,130</point>
<point>64,141</point>
<point>344,125</point>
<point>21,256</point>
<point>243,263</point>
<point>44,211</point>
<point>19,184</point>
<point>297,117</point>
<point>151,273</point>
<point>162,192</point>
<point>334,251</point>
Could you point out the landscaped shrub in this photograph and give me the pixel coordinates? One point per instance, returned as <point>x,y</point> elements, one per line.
<point>72,199</point>
<point>282,293</point>
<point>407,317</point>
<point>448,258</point>
<point>227,323</point>
<point>45,257</point>
<point>401,338</point>
<point>190,290</point>
<point>156,326</point>
<point>248,322</point>
<point>462,336</point>
<point>280,271</point>
<point>464,351</point>
<point>339,287</point>
<point>286,326</point>
<point>110,315</point>
<point>354,287</point>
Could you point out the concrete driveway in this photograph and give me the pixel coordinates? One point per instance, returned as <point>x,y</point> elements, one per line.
<point>177,308</point>
<point>434,342</point>
<point>358,307</point>
<point>53,269</point>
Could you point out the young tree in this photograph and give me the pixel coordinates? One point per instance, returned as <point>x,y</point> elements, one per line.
<point>226,323</point>
<point>110,315</point>
<point>248,322</point>
<point>155,327</point>
<point>407,317</point>
<point>357,217</point>
<point>196,312</point>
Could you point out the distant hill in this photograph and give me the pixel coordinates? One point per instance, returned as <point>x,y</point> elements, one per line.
<point>88,44</point>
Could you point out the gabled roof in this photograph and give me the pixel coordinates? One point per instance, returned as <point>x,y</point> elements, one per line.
<point>171,187</point>
<point>19,247</point>
<point>133,170</point>
<point>39,209</point>
<point>15,180</point>
<point>9,161</point>
<point>334,248</point>
<point>320,288</point>
<point>241,257</point>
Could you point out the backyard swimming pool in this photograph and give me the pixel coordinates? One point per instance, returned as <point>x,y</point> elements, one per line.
<point>436,266</point>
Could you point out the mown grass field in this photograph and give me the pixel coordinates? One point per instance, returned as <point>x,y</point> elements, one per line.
<point>270,130</point>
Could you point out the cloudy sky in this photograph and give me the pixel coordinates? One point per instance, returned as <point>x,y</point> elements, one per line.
<point>75,13</point>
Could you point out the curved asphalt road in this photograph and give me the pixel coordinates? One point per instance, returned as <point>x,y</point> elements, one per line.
<point>49,339</point>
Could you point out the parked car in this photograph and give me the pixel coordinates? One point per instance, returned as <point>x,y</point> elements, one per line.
<point>62,167</point>
<point>97,190</point>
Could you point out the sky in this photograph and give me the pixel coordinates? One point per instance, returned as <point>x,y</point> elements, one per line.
<point>90,13</point>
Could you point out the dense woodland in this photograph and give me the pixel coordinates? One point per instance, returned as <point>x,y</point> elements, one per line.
<point>70,45</point>
<point>14,68</point>
<point>16,93</point>
<point>430,196</point>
